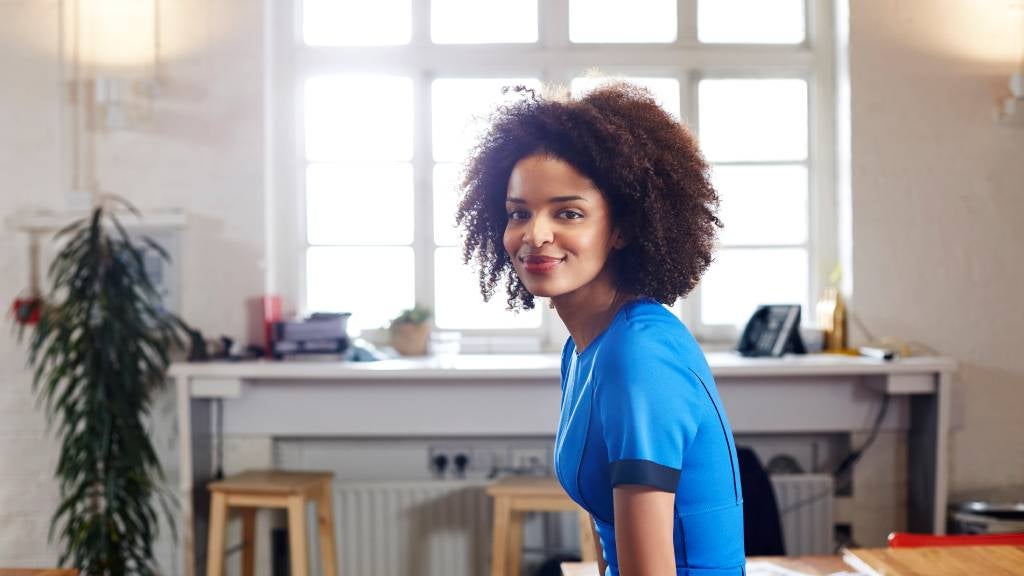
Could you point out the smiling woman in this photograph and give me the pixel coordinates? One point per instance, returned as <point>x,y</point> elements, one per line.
<point>616,140</point>
<point>604,205</point>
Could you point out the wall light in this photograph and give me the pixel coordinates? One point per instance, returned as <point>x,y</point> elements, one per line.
<point>1012,109</point>
<point>119,55</point>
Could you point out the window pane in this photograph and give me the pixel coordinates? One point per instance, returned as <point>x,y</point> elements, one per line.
<point>665,90</point>
<point>374,284</point>
<point>358,117</point>
<point>359,203</point>
<point>483,21</point>
<point>740,280</point>
<point>762,204</point>
<point>461,107</point>
<point>753,119</point>
<point>761,21</point>
<point>606,21</point>
<point>446,200</point>
<point>356,22</point>
<point>459,304</point>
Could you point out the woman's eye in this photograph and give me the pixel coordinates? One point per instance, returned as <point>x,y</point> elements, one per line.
<point>571,214</point>
<point>516,215</point>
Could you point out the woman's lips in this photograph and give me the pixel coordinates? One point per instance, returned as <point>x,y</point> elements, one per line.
<point>540,264</point>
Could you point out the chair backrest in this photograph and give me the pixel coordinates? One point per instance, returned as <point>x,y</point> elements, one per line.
<point>907,540</point>
<point>762,526</point>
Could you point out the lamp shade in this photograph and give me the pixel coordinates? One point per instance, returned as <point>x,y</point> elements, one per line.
<point>122,34</point>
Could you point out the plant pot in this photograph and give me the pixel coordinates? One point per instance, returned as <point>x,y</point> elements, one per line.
<point>410,339</point>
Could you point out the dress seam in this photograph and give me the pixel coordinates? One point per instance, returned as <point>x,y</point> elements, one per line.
<point>721,422</point>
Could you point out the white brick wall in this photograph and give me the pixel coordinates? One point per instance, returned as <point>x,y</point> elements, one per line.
<point>200,150</point>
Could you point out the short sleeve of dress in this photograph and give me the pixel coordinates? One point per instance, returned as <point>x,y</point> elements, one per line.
<point>650,405</point>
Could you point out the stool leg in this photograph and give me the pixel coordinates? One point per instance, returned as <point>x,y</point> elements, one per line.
<point>248,541</point>
<point>515,543</point>
<point>297,535</point>
<point>499,541</point>
<point>587,548</point>
<point>325,521</point>
<point>215,544</point>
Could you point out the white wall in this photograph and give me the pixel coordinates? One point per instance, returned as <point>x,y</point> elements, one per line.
<point>199,148</point>
<point>937,189</point>
<point>938,193</point>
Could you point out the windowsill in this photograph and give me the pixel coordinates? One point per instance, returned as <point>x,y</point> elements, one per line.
<point>542,367</point>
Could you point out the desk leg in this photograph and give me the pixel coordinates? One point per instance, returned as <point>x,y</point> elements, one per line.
<point>185,527</point>
<point>195,468</point>
<point>928,458</point>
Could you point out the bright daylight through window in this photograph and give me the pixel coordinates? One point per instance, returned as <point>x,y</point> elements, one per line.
<point>392,97</point>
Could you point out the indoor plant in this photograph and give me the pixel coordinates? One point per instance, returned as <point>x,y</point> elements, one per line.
<point>100,352</point>
<point>410,331</point>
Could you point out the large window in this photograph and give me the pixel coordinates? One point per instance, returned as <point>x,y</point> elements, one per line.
<point>375,106</point>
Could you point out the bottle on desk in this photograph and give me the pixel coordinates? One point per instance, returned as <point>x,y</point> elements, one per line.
<point>831,316</point>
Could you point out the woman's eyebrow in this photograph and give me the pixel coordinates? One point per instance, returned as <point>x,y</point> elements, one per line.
<point>553,200</point>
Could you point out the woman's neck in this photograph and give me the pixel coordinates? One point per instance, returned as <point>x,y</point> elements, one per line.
<point>589,310</point>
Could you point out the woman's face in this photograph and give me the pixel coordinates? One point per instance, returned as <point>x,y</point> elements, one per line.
<point>559,232</point>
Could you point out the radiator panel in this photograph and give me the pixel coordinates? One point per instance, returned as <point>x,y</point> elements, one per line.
<point>443,528</point>
<point>805,507</point>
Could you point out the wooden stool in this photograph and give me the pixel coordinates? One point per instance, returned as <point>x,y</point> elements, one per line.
<point>514,496</point>
<point>272,489</point>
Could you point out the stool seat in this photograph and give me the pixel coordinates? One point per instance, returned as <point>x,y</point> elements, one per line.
<point>254,489</point>
<point>272,482</point>
<point>513,496</point>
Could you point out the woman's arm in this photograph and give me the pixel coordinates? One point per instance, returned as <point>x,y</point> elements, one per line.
<point>643,530</point>
<point>602,566</point>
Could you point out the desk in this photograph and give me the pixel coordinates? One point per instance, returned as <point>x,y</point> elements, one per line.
<point>814,565</point>
<point>518,395</point>
<point>951,561</point>
<point>947,561</point>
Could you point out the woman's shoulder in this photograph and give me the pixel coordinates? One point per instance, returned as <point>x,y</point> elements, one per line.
<point>649,332</point>
<point>646,322</point>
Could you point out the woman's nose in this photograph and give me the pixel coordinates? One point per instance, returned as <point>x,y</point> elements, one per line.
<point>537,232</point>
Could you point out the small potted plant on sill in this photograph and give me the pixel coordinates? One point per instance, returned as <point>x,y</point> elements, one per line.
<point>410,331</point>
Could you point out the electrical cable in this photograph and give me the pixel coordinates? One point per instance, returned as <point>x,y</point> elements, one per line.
<point>847,462</point>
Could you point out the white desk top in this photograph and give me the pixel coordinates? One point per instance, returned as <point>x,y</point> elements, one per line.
<point>543,366</point>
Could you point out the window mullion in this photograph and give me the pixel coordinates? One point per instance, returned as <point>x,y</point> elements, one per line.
<point>686,11</point>
<point>423,210</point>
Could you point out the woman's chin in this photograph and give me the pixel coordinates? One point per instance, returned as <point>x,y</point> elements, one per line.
<point>542,290</point>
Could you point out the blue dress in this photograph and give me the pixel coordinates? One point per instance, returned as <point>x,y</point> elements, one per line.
<point>639,406</point>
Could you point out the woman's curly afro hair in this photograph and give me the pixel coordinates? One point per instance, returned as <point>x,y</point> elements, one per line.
<point>647,165</point>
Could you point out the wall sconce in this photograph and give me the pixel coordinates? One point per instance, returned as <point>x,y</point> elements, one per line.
<point>1011,111</point>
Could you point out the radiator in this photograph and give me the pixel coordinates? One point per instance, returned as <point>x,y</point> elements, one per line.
<point>443,528</point>
<point>805,507</point>
<point>418,528</point>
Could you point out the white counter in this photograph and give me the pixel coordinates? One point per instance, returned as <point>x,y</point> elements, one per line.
<point>490,366</point>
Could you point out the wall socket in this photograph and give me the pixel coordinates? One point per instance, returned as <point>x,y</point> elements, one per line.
<point>533,459</point>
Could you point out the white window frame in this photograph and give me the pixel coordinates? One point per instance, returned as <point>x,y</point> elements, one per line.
<point>553,59</point>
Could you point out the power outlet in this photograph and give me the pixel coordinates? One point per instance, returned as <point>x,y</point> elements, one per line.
<point>531,459</point>
<point>480,460</point>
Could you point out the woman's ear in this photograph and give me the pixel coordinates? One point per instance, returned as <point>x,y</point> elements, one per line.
<point>618,240</point>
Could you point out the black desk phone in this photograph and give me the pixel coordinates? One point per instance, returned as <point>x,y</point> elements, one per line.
<point>772,330</point>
